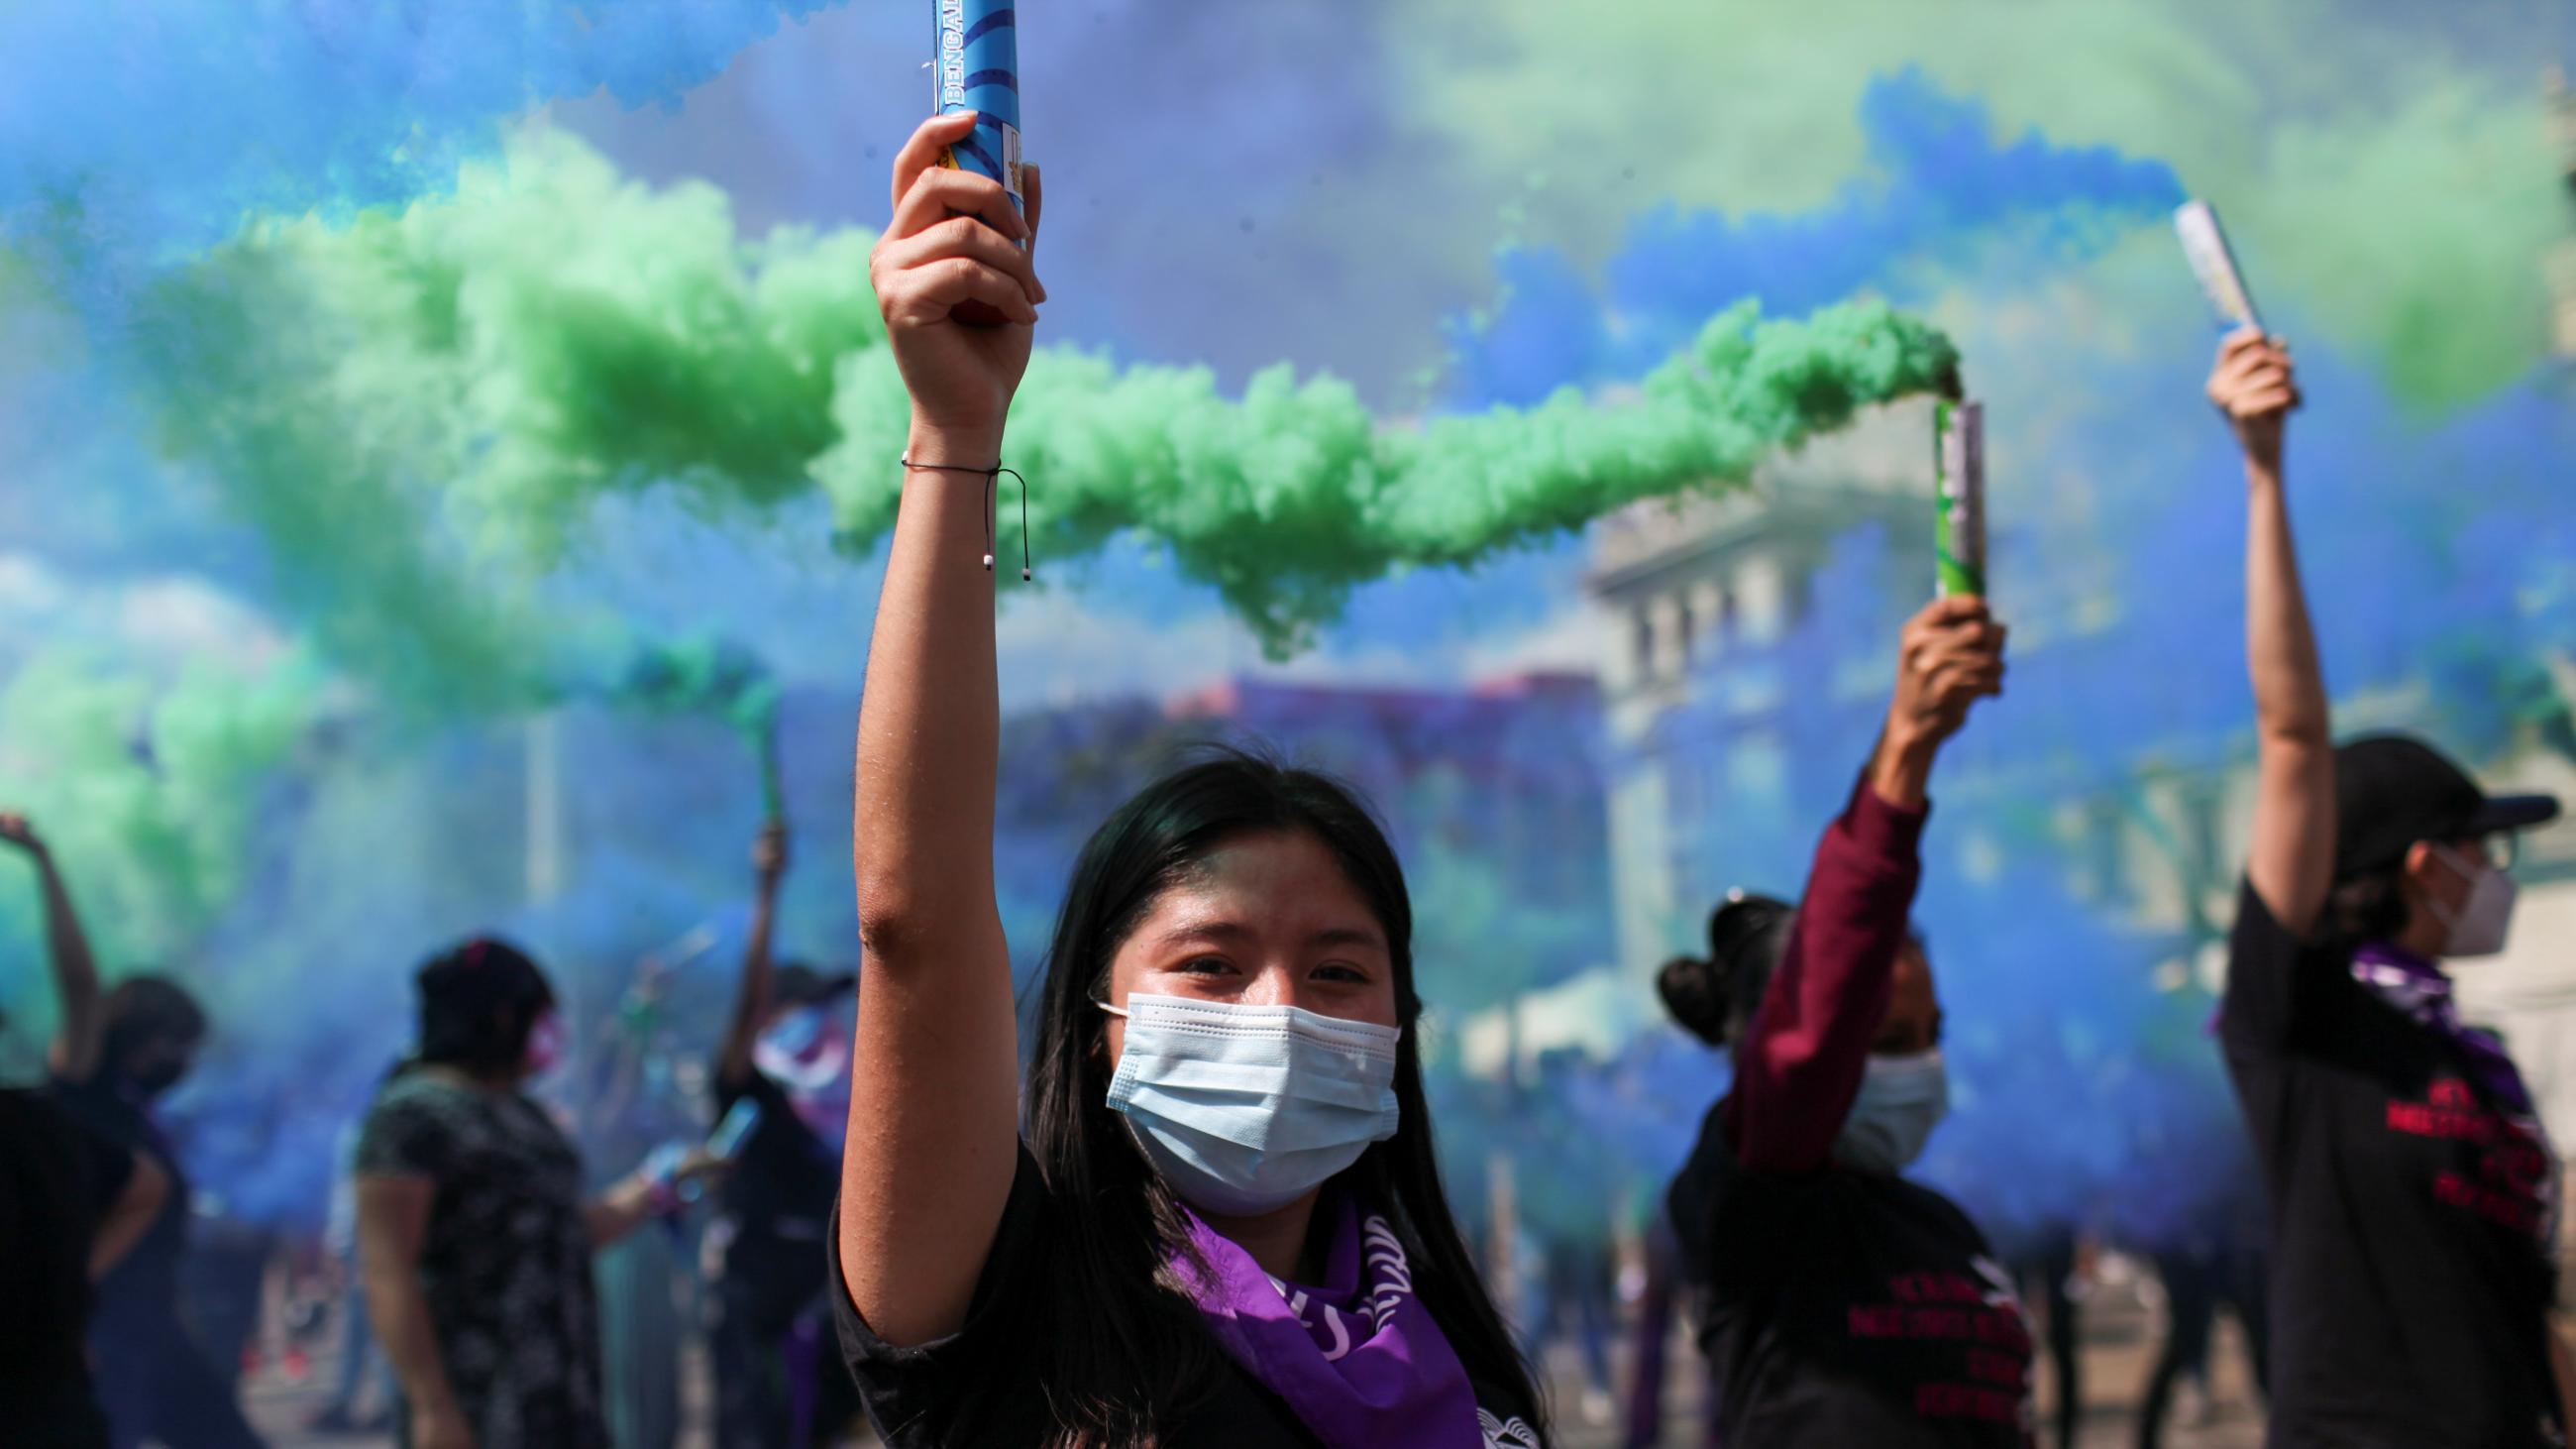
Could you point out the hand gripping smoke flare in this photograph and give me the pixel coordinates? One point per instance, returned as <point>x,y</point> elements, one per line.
<point>2204,245</point>
<point>978,69</point>
<point>1959,468</point>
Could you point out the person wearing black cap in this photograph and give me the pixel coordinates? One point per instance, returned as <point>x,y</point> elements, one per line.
<point>2411,1188</point>
<point>473,1236</point>
<point>1846,1305</point>
<point>786,1051</point>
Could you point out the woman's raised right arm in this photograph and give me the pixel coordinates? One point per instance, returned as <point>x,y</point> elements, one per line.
<point>2291,864</point>
<point>934,1118</point>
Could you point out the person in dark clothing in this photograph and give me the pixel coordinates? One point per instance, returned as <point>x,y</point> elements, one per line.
<point>2044,1262</point>
<point>1658,1307</point>
<point>2212,1261</point>
<point>73,1203</point>
<point>117,1051</point>
<point>786,1051</point>
<point>1844,1304</point>
<point>1218,1219</point>
<point>2412,1189</point>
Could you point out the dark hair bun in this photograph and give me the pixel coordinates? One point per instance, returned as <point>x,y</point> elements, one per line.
<point>1695,997</point>
<point>1746,935</point>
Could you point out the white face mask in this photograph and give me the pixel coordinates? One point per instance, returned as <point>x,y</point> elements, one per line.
<point>2482,922</point>
<point>1245,1109</point>
<point>1901,1100</point>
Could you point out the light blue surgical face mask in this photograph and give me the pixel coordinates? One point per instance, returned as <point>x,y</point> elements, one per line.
<point>1902,1098</point>
<point>1245,1109</point>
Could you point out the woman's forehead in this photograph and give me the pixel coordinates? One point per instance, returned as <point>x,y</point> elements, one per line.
<point>1266,884</point>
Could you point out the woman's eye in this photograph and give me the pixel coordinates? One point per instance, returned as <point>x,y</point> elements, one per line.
<point>1205,966</point>
<point>1344,975</point>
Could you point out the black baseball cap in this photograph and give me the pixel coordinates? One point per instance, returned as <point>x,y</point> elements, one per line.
<point>2394,790</point>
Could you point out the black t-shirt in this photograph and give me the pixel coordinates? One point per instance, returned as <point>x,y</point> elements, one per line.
<point>57,1180</point>
<point>974,1388</point>
<point>146,1283</point>
<point>1848,1308</point>
<point>2410,1212</point>
<point>779,1197</point>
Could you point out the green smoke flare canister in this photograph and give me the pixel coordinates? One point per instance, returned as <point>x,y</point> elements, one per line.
<point>1959,464</point>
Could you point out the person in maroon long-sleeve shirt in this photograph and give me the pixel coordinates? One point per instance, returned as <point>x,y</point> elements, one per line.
<point>1846,1305</point>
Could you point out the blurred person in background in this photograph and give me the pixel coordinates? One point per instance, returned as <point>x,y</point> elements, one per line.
<point>473,1233</point>
<point>785,1053</point>
<point>1845,1304</point>
<point>116,1052</point>
<point>73,1203</point>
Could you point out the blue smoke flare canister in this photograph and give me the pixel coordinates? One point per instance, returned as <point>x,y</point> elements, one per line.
<point>977,68</point>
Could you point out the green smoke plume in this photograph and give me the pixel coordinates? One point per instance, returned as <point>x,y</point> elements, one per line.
<point>148,792</point>
<point>1291,497</point>
<point>404,403</point>
<point>720,679</point>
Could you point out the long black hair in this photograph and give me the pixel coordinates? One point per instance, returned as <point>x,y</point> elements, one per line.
<point>1129,1354</point>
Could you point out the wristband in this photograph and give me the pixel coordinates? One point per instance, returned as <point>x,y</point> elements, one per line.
<point>992,480</point>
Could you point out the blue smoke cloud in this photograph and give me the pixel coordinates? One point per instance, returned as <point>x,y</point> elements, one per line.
<point>138,129</point>
<point>1938,186</point>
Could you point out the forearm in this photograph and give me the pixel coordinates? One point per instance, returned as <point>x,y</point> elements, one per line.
<point>929,720</point>
<point>2280,641</point>
<point>619,1211</point>
<point>146,1191</point>
<point>75,972</point>
<point>2291,858</point>
<point>751,993</point>
<point>1900,768</point>
<point>399,1313</point>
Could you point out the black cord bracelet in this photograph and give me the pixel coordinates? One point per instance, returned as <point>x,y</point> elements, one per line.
<point>993,481</point>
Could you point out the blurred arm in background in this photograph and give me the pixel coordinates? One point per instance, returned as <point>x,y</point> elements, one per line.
<point>75,969</point>
<point>751,994</point>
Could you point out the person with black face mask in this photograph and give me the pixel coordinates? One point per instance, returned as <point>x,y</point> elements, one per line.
<point>1844,1304</point>
<point>115,1053</point>
<point>2413,1192</point>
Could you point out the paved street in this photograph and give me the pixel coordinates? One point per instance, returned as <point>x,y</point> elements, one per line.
<point>2119,1346</point>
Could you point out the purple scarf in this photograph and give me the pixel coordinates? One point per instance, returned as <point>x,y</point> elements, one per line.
<point>2419,988</point>
<point>1358,1358</point>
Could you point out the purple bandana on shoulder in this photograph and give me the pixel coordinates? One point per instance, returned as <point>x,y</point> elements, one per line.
<point>1358,1357</point>
<point>2420,989</point>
